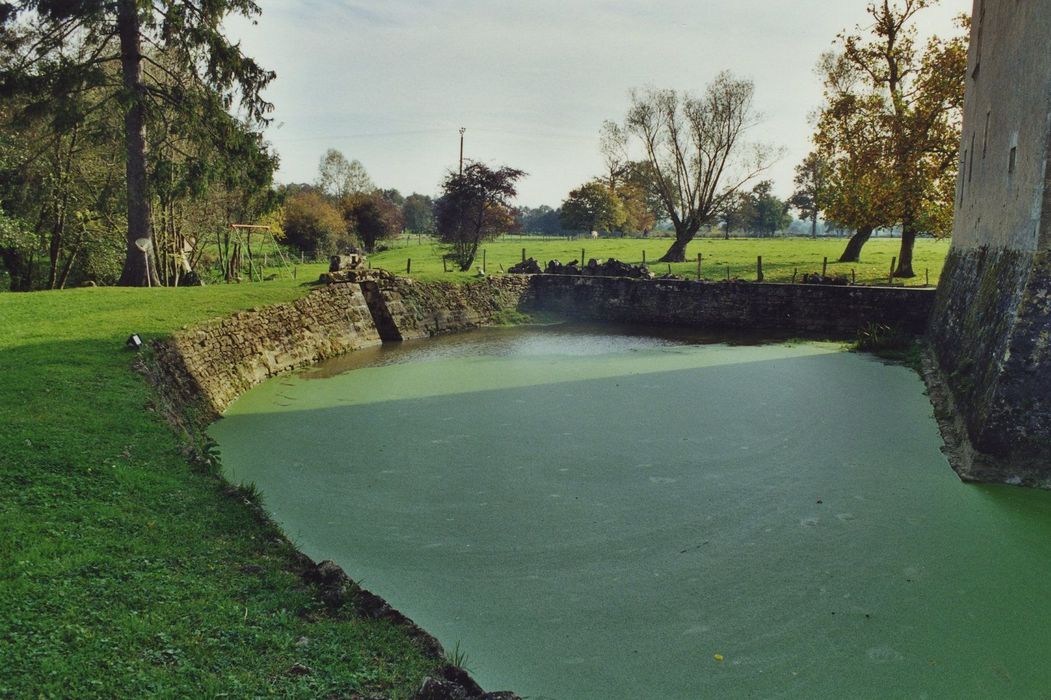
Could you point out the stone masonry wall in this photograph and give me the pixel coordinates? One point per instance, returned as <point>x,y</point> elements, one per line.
<point>804,309</point>
<point>424,309</point>
<point>992,320</point>
<point>219,360</point>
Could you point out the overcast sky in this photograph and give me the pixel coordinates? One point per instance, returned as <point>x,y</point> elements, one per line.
<point>391,82</point>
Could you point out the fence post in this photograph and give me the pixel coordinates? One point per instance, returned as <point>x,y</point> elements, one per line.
<point>523,254</point>
<point>643,257</point>
<point>445,264</point>
<point>853,276</point>
<point>893,264</point>
<point>824,268</point>
<point>408,266</point>
<point>759,268</point>
<point>699,258</point>
<point>582,260</point>
<point>485,265</point>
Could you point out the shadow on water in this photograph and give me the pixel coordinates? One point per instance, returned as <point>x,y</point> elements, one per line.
<point>608,536</point>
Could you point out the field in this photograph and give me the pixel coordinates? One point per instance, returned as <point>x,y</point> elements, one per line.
<point>781,257</point>
<point>124,571</point>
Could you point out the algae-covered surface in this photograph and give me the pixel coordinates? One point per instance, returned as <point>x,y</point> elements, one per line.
<point>589,514</point>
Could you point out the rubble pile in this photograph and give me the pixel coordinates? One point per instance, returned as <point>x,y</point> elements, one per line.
<point>610,268</point>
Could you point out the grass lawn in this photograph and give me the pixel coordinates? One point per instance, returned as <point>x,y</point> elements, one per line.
<point>781,257</point>
<point>124,571</point>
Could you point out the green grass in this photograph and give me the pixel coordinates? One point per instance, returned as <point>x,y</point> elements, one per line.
<point>781,257</point>
<point>124,571</point>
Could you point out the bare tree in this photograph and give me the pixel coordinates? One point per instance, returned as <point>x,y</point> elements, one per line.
<point>339,178</point>
<point>696,150</point>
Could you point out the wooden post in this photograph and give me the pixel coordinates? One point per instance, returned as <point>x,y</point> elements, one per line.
<point>582,260</point>
<point>824,268</point>
<point>893,264</point>
<point>485,266</point>
<point>408,266</point>
<point>699,267</point>
<point>295,271</point>
<point>643,257</point>
<point>853,276</point>
<point>669,268</point>
<point>523,254</point>
<point>759,268</point>
<point>445,264</point>
<point>727,273</point>
<point>927,274</point>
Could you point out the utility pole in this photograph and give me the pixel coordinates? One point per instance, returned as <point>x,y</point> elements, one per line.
<point>462,129</point>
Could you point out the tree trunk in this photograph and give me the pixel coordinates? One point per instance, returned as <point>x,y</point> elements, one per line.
<point>855,244</point>
<point>137,269</point>
<point>813,225</point>
<point>684,233</point>
<point>908,241</point>
<point>18,270</point>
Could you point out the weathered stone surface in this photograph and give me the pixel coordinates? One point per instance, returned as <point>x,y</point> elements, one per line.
<point>440,689</point>
<point>806,309</point>
<point>992,321</point>
<point>991,339</point>
<point>421,310</point>
<point>610,268</point>
<point>218,361</point>
<point>526,267</point>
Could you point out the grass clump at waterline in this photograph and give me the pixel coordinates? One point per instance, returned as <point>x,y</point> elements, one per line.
<point>124,570</point>
<point>782,257</point>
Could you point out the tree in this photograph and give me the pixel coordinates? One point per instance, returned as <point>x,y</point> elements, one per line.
<point>695,150</point>
<point>393,196</point>
<point>592,207</point>
<point>475,206</point>
<point>765,213</point>
<point>418,213</point>
<point>733,213</point>
<point>313,224</point>
<point>63,48</point>
<point>338,177</point>
<point>912,99</point>
<point>811,182</point>
<point>542,220</point>
<point>372,217</point>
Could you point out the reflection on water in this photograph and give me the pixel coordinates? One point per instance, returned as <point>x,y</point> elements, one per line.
<point>657,515</point>
<point>550,341</point>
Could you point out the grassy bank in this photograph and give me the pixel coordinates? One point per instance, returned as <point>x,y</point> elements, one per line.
<point>124,571</point>
<point>781,257</point>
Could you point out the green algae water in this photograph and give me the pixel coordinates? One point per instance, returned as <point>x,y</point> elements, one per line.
<point>589,514</point>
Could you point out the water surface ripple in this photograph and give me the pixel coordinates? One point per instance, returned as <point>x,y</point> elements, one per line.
<point>629,515</point>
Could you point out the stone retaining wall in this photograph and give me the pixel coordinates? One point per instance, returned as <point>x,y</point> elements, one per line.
<point>794,308</point>
<point>425,309</point>
<point>217,361</point>
<point>992,339</point>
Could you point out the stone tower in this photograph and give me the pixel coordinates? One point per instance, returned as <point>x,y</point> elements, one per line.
<point>991,330</point>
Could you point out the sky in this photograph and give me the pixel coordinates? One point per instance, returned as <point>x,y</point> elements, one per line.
<point>390,83</point>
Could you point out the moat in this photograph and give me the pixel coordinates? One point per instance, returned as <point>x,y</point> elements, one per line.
<point>597,514</point>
